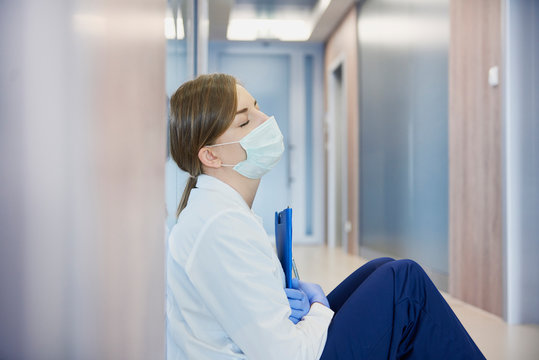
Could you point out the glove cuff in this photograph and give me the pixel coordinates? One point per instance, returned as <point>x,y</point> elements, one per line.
<point>320,299</point>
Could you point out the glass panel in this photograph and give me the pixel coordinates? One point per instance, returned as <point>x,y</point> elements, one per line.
<point>403,129</point>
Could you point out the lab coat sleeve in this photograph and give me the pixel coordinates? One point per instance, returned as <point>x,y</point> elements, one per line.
<point>232,268</point>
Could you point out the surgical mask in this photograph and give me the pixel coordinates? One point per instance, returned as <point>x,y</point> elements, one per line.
<point>264,147</point>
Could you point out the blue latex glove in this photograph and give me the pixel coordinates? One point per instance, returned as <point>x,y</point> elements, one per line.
<point>299,303</point>
<point>313,291</point>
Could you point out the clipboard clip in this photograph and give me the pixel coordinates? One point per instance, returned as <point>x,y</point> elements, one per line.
<point>295,269</point>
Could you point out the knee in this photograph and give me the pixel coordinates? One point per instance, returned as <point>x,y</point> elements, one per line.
<point>378,263</point>
<point>411,280</point>
<point>409,266</point>
<point>381,261</point>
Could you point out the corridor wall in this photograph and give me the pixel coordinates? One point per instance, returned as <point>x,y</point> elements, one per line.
<point>403,103</point>
<point>521,159</point>
<point>475,154</point>
<point>82,140</point>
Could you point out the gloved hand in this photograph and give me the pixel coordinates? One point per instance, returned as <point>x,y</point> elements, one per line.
<point>299,303</point>
<point>313,291</point>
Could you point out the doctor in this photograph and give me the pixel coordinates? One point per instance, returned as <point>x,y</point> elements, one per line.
<point>225,285</point>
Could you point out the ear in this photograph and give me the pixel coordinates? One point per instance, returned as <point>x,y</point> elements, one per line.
<point>208,158</point>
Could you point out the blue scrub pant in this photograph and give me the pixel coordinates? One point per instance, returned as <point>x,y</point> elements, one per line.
<point>390,309</point>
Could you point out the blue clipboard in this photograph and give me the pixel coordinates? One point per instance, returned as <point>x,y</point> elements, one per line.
<point>283,242</point>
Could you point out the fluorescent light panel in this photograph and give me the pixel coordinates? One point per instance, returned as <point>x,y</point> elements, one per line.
<point>287,24</point>
<point>281,29</point>
<point>170,32</point>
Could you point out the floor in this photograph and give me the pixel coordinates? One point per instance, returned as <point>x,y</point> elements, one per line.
<point>496,339</point>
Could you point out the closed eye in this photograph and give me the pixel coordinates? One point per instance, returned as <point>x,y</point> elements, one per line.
<point>245,123</point>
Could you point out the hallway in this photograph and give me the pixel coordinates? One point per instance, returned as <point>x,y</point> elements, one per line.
<point>411,130</point>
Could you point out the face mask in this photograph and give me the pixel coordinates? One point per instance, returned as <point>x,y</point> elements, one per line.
<point>264,147</point>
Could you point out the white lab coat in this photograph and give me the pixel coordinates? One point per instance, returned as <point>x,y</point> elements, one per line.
<point>225,297</point>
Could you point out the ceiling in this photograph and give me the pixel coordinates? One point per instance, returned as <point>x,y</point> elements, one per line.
<point>277,3</point>
<point>319,16</point>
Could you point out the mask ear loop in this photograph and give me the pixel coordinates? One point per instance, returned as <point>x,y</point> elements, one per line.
<point>228,143</point>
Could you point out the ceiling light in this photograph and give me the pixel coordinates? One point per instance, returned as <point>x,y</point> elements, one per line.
<point>285,30</point>
<point>174,32</point>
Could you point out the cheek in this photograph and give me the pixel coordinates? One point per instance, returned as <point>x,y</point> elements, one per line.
<point>233,154</point>
<point>241,154</point>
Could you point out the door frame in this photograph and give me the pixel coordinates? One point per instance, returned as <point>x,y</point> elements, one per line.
<point>337,136</point>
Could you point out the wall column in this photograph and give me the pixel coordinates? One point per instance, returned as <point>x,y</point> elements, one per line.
<point>475,155</point>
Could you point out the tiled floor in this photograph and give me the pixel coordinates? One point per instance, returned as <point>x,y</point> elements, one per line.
<point>497,340</point>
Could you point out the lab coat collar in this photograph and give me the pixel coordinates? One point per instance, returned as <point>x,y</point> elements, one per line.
<point>212,183</point>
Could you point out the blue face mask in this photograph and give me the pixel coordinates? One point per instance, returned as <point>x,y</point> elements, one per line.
<point>264,147</point>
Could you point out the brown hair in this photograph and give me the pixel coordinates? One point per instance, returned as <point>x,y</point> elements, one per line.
<point>200,111</point>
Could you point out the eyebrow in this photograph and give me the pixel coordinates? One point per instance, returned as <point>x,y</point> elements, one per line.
<point>244,109</point>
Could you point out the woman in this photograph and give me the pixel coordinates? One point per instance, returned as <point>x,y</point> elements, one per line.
<point>225,285</point>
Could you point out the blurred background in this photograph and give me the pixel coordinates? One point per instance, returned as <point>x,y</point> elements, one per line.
<point>411,131</point>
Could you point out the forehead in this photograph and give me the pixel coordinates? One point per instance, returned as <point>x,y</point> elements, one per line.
<point>244,98</point>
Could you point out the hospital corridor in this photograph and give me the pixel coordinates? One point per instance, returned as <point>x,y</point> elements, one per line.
<point>205,179</point>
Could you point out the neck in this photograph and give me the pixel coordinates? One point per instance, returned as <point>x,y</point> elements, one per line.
<point>246,187</point>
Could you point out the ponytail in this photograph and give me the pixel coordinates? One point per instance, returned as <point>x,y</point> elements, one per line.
<point>191,183</point>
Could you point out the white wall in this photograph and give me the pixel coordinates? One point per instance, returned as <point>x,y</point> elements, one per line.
<point>82,144</point>
<point>522,160</point>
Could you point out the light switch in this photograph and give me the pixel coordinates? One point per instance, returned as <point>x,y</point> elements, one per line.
<point>347,226</point>
<point>493,76</point>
